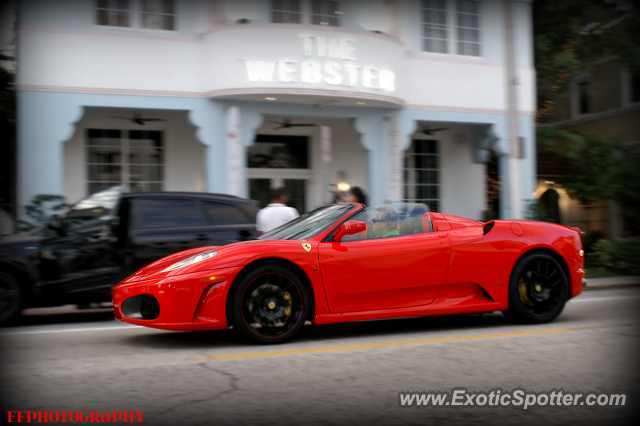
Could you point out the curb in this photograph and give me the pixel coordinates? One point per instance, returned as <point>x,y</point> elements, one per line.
<point>611,282</point>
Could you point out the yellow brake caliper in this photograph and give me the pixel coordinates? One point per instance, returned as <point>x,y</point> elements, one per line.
<point>522,292</point>
<point>287,310</point>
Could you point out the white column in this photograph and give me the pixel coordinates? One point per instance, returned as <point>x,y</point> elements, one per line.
<point>515,150</point>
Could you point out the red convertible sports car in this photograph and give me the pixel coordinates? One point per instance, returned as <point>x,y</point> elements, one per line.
<point>348,262</point>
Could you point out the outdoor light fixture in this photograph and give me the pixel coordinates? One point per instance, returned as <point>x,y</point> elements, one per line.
<point>343,185</point>
<point>271,99</point>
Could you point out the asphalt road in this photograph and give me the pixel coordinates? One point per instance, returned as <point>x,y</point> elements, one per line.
<point>343,374</point>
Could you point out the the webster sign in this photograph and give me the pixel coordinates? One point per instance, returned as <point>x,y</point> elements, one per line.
<point>331,60</point>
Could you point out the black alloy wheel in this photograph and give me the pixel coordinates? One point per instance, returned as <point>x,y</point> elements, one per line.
<point>538,289</point>
<point>10,298</point>
<point>270,305</point>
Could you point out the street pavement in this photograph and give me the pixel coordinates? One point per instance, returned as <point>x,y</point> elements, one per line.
<point>340,374</point>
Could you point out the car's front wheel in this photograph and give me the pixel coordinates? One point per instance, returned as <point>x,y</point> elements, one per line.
<point>270,305</point>
<point>538,289</point>
<point>10,298</point>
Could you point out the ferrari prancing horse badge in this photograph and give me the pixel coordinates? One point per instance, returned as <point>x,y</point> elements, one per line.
<point>306,246</point>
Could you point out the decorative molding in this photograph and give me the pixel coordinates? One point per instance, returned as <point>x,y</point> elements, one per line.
<point>109,34</point>
<point>460,61</point>
<point>304,27</point>
<point>107,91</point>
<point>312,92</point>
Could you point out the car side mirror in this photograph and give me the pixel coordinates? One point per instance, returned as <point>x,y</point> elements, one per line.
<point>350,227</point>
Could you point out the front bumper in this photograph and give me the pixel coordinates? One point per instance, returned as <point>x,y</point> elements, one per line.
<point>195,301</point>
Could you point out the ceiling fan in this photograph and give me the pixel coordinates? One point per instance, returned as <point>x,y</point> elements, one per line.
<point>428,131</point>
<point>286,123</point>
<point>137,118</point>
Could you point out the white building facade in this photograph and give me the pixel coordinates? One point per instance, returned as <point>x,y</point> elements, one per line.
<point>239,96</point>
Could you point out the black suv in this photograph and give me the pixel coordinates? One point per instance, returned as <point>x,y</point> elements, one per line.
<point>78,257</point>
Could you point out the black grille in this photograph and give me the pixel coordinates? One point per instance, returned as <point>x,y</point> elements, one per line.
<point>149,308</point>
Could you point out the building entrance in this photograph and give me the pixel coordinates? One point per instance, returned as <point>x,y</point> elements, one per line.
<point>279,161</point>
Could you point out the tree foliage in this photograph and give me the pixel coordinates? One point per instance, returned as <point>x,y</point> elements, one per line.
<point>571,33</point>
<point>599,168</point>
<point>590,158</point>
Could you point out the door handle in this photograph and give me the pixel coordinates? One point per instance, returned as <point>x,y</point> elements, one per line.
<point>443,235</point>
<point>201,237</point>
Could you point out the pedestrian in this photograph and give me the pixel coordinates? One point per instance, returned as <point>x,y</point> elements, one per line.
<point>276,213</point>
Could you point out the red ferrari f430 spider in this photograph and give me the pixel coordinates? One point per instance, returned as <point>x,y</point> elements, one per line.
<point>347,262</point>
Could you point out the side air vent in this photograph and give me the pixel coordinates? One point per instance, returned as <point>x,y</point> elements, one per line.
<point>488,227</point>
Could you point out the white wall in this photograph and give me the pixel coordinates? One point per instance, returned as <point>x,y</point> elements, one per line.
<point>60,54</point>
<point>462,182</point>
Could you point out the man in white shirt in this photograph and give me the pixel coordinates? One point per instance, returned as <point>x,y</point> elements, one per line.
<point>276,213</point>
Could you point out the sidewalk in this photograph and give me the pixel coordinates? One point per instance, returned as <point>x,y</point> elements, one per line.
<point>594,283</point>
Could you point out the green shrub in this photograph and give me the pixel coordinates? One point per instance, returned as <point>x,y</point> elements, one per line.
<point>536,210</point>
<point>619,256</point>
<point>39,210</point>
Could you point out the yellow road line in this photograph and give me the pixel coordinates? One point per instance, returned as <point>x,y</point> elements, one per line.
<point>411,342</point>
<point>378,345</point>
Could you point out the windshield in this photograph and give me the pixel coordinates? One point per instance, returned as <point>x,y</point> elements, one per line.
<point>392,220</point>
<point>93,208</point>
<point>309,224</point>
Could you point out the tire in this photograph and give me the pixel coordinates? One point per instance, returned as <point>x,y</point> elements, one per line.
<point>10,299</point>
<point>270,305</point>
<point>538,290</point>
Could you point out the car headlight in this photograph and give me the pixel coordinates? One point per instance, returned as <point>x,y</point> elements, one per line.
<point>191,260</point>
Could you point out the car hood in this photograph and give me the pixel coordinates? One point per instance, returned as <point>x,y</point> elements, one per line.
<point>231,255</point>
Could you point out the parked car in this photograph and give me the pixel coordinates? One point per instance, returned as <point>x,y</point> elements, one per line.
<point>78,257</point>
<point>347,262</point>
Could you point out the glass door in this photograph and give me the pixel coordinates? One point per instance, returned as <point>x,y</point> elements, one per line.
<point>275,161</point>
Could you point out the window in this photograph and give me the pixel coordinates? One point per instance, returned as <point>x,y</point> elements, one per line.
<point>279,152</point>
<point>148,14</point>
<point>285,11</point>
<point>316,12</point>
<point>224,214</point>
<point>434,26</point>
<point>114,13</point>
<point>468,26</point>
<point>131,157</point>
<point>325,12</point>
<point>463,16</point>
<point>422,173</point>
<point>164,213</point>
<point>158,15</point>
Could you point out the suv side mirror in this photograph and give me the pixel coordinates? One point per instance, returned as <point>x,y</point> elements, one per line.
<point>350,227</point>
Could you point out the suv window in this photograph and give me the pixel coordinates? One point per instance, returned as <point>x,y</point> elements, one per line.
<point>167,212</point>
<point>224,214</point>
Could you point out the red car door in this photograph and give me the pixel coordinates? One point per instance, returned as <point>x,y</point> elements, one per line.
<point>384,273</point>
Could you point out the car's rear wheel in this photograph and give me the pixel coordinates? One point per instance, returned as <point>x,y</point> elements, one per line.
<point>270,305</point>
<point>10,298</point>
<point>538,289</point>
